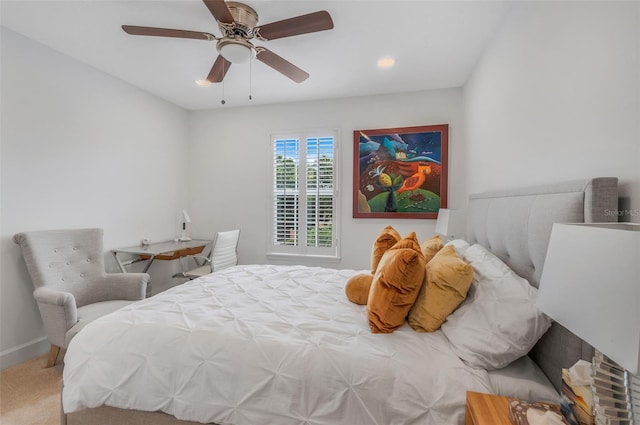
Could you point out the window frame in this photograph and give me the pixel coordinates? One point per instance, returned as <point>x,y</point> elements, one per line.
<point>302,250</point>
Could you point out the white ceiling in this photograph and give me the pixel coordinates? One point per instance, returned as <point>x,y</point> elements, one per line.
<point>435,43</point>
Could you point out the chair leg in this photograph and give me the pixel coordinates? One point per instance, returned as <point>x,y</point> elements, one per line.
<point>53,355</point>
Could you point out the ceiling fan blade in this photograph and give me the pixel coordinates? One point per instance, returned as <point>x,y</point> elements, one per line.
<point>166,32</point>
<point>281,65</point>
<point>219,69</point>
<point>303,24</point>
<point>219,10</point>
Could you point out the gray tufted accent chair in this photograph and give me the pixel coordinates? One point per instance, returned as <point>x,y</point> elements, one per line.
<point>71,285</point>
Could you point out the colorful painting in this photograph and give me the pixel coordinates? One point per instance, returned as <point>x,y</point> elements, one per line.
<point>400,172</point>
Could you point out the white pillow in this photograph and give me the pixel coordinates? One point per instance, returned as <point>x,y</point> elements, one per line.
<point>523,379</point>
<point>460,245</point>
<point>498,322</point>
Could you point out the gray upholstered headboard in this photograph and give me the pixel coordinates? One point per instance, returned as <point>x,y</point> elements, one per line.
<point>516,225</point>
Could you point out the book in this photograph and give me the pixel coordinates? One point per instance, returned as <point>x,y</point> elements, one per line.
<point>580,399</point>
<point>523,412</point>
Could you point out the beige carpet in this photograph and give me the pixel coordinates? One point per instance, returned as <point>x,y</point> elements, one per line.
<point>30,394</point>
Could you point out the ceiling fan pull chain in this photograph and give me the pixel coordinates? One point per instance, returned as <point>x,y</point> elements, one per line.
<point>223,101</point>
<point>250,74</point>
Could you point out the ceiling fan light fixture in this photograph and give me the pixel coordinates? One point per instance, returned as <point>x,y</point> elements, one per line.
<point>235,50</point>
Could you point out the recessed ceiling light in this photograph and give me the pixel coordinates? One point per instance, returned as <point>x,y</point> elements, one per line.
<point>386,62</point>
<point>203,83</point>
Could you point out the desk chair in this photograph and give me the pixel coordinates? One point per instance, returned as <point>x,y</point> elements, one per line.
<point>224,253</point>
<point>71,285</point>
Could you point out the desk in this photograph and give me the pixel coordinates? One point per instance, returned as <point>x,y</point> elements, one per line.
<point>169,250</point>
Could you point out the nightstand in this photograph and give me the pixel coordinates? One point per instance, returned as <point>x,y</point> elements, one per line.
<point>487,409</point>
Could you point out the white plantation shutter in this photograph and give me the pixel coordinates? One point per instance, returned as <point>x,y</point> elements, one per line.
<point>320,192</point>
<point>285,189</point>
<point>304,194</point>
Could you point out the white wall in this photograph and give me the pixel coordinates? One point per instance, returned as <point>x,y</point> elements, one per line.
<point>79,149</point>
<point>556,97</point>
<point>230,161</point>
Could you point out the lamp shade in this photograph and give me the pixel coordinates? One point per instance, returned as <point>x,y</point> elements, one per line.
<point>451,223</point>
<point>185,216</point>
<point>590,284</point>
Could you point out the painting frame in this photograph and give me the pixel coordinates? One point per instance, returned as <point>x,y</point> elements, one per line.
<point>417,163</point>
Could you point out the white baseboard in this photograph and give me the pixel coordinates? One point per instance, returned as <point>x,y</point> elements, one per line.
<point>23,352</point>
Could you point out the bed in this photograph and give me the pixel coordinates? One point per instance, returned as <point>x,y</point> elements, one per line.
<point>261,344</point>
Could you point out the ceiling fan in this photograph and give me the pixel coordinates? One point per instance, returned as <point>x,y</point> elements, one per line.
<point>237,23</point>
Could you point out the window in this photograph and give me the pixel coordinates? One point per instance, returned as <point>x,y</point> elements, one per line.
<point>304,194</point>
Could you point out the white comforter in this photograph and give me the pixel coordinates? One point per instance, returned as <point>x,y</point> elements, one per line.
<point>264,344</point>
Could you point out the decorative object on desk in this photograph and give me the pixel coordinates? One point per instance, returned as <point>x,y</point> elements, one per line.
<point>400,172</point>
<point>451,224</point>
<point>535,413</point>
<point>185,227</point>
<point>590,286</point>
